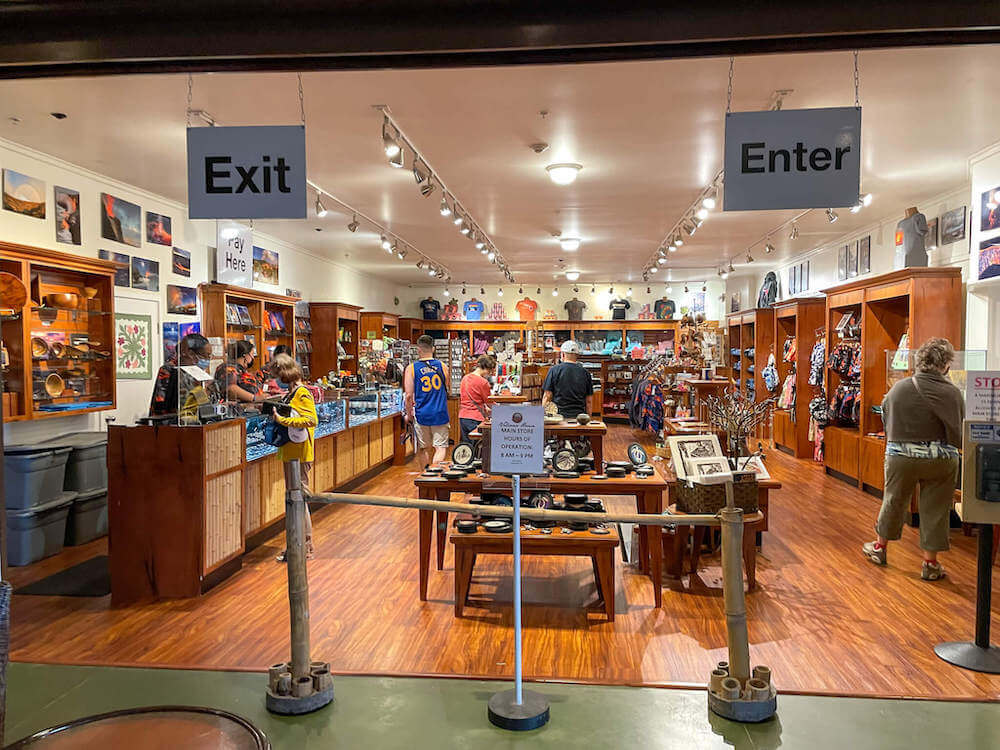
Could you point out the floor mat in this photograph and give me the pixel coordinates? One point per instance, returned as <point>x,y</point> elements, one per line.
<point>89,578</point>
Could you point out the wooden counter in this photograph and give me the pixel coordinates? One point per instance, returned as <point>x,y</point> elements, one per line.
<point>184,504</point>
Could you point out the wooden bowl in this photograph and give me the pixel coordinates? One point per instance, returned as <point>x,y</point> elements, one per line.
<point>39,347</point>
<point>57,349</point>
<point>62,300</point>
<point>54,385</point>
<point>13,295</point>
<point>89,292</point>
<point>583,418</point>
<point>47,314</point>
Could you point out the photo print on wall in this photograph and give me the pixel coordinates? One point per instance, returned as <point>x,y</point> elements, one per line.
<point>171,337</point>
<point>67,215</point>
<point>865,254</point>
<point>181,262</point>
<point>123,274</point>
<point>852,260</point>
<point>182,300</point>
<point>842,263</point>
<point>265,266</point>
<point>989,258</point>
<point>990,210</point>
<point>23,195</point>
<point>953,226</point>
<point>120,221</point>
<point>931,239</point>
<point>145,274</point>
<point>158,229</point>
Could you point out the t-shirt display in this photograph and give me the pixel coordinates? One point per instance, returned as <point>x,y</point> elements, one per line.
<point>473,309</point>
<point>497,311</point>
<point>526,308</point>
<point>664,308</point>
<point>575,308</point>
<point>618,308</point>
<point>450,311</point>
<point>431,308</point>
<point>570,385</point>
<point>910,248</point>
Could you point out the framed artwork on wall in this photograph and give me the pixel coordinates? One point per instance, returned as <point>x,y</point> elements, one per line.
<point>865,254</point>
<point>852,260</point>
<point>931,240</point>
<point>953,226</point>
<point>132,346</point>
<point>123,274</point>
<point>803,276</point>
<point>67,215</point>
<point>989,258</point>
<point>989,217</point>
<point>23,194</point>
<point>842,263</point>
<point>791,280</point>
<point>121,221</point>
<point>158,229</point>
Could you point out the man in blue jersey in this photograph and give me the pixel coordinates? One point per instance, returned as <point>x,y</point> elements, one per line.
<point>426,385</point>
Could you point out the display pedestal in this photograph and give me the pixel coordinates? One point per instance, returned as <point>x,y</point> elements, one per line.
<point>979,656</point>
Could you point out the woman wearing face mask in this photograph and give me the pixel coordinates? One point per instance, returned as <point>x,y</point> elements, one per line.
<point>236,379</point>
<point>193,349</point>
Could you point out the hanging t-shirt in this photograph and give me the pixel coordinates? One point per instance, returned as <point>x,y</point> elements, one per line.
<point>473,309</point>
<point>450,311</point>
<point>526,308</point>
<point>910,248</point>
<point>430,308</point>
<point>575,308</point>
<point>664,309</point>
<point>618,308</point>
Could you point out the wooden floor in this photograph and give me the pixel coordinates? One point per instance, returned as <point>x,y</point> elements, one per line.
<point>823,618</point>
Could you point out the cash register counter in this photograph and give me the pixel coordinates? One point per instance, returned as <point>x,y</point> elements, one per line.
<point>185,503</point>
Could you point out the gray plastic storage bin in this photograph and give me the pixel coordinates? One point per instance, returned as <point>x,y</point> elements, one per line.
<point>38,532</point>
<point>33,475</point>
<point>87,467</point>
<point>88,518</point>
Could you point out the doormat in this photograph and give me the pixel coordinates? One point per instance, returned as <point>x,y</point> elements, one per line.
<point>89,578</point>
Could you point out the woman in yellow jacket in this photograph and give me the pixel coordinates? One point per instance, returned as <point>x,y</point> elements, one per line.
<point>303,417</point>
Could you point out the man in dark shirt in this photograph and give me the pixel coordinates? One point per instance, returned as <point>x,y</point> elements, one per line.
<point>618,308</point>
<point>193,349</point>
<point>568,384</point>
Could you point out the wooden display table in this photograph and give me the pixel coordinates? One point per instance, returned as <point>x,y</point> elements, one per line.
<point>598,547</point>
<point>592,431</point>
<point>648,493</point>
<point>752,524</point>
<point>506,398</point>
<point>703,389</point>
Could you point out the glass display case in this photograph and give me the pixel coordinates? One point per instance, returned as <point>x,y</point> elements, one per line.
<point>390,401</point>
<point>332,417</point>
<point>256,447</point>
<point>362,408</point>
<point>553,339</point>
<point>649,344</point>
<point>604,341</point>
<point>899,365</point>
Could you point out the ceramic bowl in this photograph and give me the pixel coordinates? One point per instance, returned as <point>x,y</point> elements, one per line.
<point>63,300</point>
<point>583,418</point>
<point>54,385</point>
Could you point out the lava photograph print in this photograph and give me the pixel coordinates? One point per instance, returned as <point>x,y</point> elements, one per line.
<point>67,215</point>
<point>953,226</point>
<point>265,266</point>
<point>158,229</point>
<point>989,217</point>
<point>23,194</point>
<point>120,221</point>
<point>989,258</point>
<point>123,274</point>
<point>171,336</point>
<point>181,262</point>
<point>145,274</point>
<point>182,300</point>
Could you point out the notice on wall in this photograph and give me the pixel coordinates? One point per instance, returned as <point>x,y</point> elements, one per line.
<point>792,158</point>
<point>256,172</point>
<point>517,441</point>
<point>982,396</point>
<point>233,253</point>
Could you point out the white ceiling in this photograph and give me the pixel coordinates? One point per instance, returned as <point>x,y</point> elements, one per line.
<point>649,135</point>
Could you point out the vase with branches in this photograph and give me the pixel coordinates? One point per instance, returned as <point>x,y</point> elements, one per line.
<point>738,416</point>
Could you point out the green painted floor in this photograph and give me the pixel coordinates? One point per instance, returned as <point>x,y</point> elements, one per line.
<point>413,713</point>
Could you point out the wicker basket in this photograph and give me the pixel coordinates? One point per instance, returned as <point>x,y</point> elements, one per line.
<point>711,498</point>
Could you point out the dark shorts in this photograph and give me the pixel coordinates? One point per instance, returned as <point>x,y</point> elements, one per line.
<point>468,425</point>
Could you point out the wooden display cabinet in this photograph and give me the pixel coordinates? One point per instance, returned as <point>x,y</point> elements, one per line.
<point>923,302</point>
<point>333,322</point>
<point>752,332</point>
<point>802,321</point>
<point>73,341</point>
<point>377,325</point>
<point>233,314</point>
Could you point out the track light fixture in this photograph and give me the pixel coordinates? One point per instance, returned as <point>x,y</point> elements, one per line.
<point>704,286</point>
<point>653,269</point>
<point>458,219</point>
<point>396,161</point>
<point>480,244</point>
<point>392,248</point>
<point>649,290</point>
<point>420,263</point>
<point>576,289</point>
<point>499,291</point>
<point>463,290</point>
<point>353,226</point>
<point>593,289</point>
<point>660,261</point>
<point>731,268</point>
<point>484,250</point>
<point>686,289</point>
<point>419,175</point>
<point>401,253</point>
<point>794,233</point>
<point>611,290</point>
<point>690,220</point>
<point>749,257</point>
<point>320,208</point>
<point>866,199</point>
<point>555,291</point>
<point>390,144</point>
<point>724,274</point>
<point>678,240</point>
<point>520,290</point>
<point>645,276</point>
<point>445,208</point>
<point>696,221</point>
<point>668,289</point>
<point>710,200</point>
<point>629,292</point>
<point>447,292</point>
<point>538,291</point>
<point>689,228</point>
<point>491,256</point>
<point>427,189</point>
<point>386,243</point>
<point>482,290</point>
<point>701,214</point>
<point>768,247</point>
<point>465,229</point>
<point>831,215</point>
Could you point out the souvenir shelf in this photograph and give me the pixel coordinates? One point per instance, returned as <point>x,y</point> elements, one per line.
<point>335,333</point>
<point>233,313</point>
<point>59,344</point>
<point>751,341</point>
<point>617,378</point>
<point>303,337</point>
<point>379,325</point>
<point>797,323</point>
<point>920,302</point>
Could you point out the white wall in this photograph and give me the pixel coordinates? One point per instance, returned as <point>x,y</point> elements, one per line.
<point>984,297</point>
<point>317,278</point>
<point>597,304</point>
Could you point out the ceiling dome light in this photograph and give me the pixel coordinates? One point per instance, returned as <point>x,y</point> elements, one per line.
<point>569,244</point>
<point>702,213</point>
<point>320,208</point>
<point>353,226</point>
<point>831,215</point>
<point>390,144</point>
<point>445,209</point>
<point>572,275</point>
<point>563,174</point>
<point>386,244</point>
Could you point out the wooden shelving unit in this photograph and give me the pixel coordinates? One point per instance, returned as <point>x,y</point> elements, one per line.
<point>798,320</point>
<point>377,325</point>
<point>334,322</point>
<point>924,302</point>
<point>303,337</point>
<point>752,332</point>
<point>269,319</point>
<point>78,341</point>
<point>617,377</point>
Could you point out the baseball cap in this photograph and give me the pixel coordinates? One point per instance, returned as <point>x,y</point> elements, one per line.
<point>570,347</point>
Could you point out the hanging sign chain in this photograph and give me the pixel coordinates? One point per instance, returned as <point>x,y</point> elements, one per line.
<point>857,82</point>
<point>302,100</point>
<point>729,93</point>
<point>190,97</point>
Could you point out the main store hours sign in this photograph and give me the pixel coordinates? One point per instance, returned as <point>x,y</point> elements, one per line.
<point>256,172</point>
<point>517,439</point>
<point>982,396</point>
<point>792,158</point>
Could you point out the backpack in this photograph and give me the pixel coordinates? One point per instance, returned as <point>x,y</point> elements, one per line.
<point>770,373</point>
<point>768,294</point>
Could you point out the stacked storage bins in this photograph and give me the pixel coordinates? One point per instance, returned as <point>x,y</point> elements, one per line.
<point>37,504</point>
<point>87,476</point>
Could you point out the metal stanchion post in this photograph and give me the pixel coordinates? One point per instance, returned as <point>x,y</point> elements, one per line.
<point>518,709</point>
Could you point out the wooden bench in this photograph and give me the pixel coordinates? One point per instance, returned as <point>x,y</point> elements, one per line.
<point>598,547</point>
